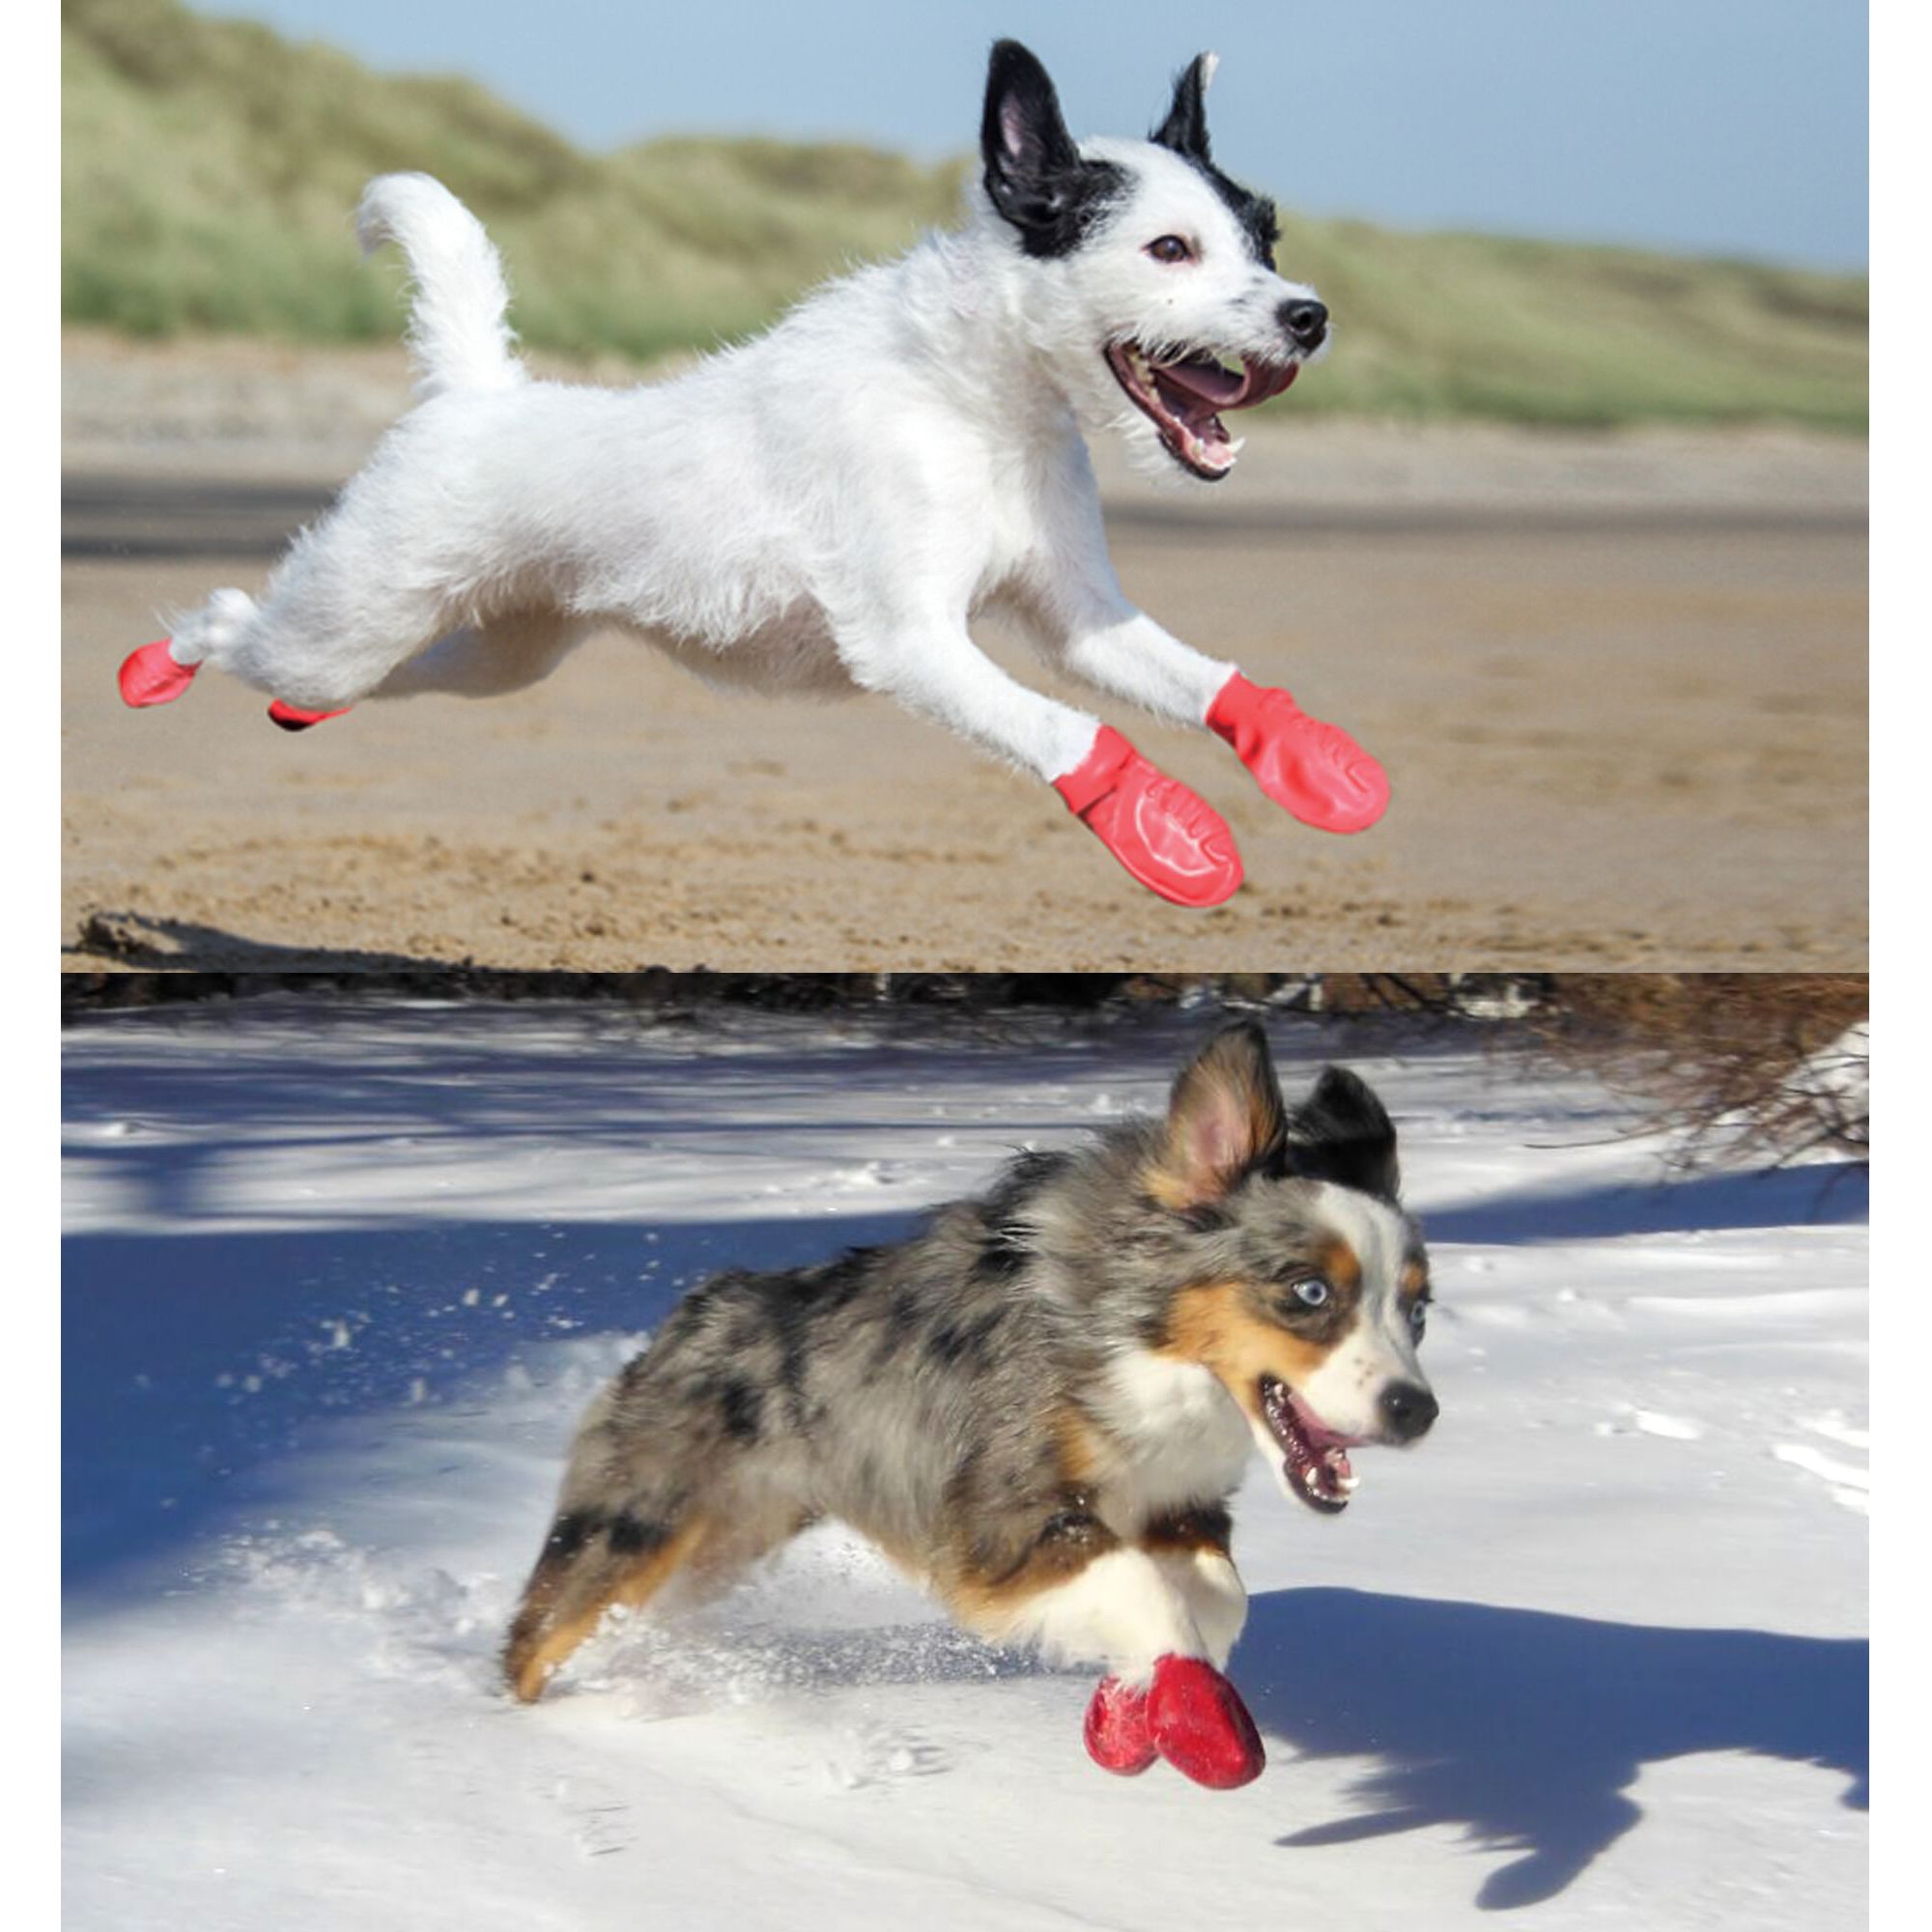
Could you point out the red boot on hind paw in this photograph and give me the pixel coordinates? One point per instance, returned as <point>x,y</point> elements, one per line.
<point>151,676</point>
<point>292,719</point>
<point>1117,1734</point>
<point>1200,1726</point>
<point>1171,841</point>
<point>1313,770</point>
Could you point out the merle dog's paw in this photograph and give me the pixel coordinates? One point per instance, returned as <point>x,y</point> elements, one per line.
<point>1117,1734</point>
<point>1198,1724</point>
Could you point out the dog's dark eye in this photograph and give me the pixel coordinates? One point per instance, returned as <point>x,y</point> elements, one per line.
<point>1169,248</point>
<point>1312,1293</point>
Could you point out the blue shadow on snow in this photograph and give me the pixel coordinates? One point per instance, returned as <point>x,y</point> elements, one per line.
<point>1527,1728</point>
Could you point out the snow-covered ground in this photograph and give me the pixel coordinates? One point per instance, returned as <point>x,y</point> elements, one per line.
<point>339,1280</point>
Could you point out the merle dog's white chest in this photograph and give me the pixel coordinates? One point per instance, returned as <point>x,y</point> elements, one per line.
<point>1181,1439</point>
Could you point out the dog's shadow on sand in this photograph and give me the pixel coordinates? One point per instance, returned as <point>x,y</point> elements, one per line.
<point>1526,1728</point>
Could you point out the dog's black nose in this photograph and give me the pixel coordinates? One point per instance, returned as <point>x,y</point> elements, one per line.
<point>1408,1410</point>
<point>1306,320</point>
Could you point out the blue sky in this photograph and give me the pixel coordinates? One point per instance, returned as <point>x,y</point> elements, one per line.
<point>1732,127</point>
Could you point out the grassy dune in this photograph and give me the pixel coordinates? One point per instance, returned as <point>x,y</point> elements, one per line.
<point>210,168</point>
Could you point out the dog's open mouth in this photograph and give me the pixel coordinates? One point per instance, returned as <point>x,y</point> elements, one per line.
<point>1314,1460</point>
<point>1184,399</point>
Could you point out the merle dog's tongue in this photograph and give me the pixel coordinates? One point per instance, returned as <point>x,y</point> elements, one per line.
<point>1322,1484</point>
<point>1314,1460</point>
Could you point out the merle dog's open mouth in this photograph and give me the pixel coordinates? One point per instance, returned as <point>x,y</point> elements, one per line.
<point>1184,399</point>
<point>1314,1460</point>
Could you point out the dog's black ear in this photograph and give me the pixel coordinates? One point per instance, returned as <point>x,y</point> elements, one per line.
<point>1185,129</point>
<point>1343,1133</point>
<point>1034,176</point>
<point>1226,1116</point>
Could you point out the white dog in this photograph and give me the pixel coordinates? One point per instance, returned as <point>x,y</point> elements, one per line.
<point>827,506</point>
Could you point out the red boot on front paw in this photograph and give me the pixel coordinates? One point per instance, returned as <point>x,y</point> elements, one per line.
<point>1313,770</point>
<point>1200,1726</point>
<point>1171,841</point>
<point>1118,1739</point>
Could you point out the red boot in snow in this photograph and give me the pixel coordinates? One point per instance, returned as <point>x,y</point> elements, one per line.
<point>1173,843</point>
<point>1200,1726</point>
<point>151,676</point>
<point>1117,1734</point>
<point>1313,770</point>
<point>290,719</point>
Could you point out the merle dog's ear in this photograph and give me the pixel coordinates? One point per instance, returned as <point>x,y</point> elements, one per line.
<point>1185,129</point>
<point>1343,1133</point>
<point>1226,1116</point>
<point>1034,176</point>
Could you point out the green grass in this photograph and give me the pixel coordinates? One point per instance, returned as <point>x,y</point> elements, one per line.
<point>211,169</point>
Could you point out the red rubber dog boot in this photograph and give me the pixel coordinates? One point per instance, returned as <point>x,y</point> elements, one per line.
<point>292,719</point>
<point>151,676</point>
<point>1201,1726</point>
<point>1313,770</point>
<point>1118,1739</point>
<point>1171,841</point>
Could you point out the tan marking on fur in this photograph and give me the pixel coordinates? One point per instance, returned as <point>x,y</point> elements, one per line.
<point>1185,1534</point>
<point>1342,1265</point>
<point>1413,1279</point>
<point>1210,1325</point>
<point>535,1654</point>
<point>1082,1450</point>
<point>1171,1190</point>
<point>988,1604</point>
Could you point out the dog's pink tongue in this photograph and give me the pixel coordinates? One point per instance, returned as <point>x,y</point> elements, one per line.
<point>1204,382</point>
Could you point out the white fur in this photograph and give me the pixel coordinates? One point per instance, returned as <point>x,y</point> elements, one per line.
<point>1124,1610</point>
<point>457,329</point>
<point>820,510</point>
<point>1215,1599</point>
<point>1182,1438</point>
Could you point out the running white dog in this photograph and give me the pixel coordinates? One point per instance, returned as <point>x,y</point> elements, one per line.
<point>826,506</point>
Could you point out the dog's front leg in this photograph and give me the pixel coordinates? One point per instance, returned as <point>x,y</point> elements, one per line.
<point>1169,839</point>
<point>1156,1611</point>
<point>1192,1546</point>
<point>931,665</point>
<point>1311,769</point>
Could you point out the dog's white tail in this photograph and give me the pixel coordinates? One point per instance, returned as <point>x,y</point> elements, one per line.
<point>458,333</point>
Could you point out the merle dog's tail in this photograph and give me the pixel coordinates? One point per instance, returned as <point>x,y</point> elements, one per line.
<point>458,333</point>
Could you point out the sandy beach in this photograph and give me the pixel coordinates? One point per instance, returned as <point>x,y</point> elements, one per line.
<point>1619,681</point>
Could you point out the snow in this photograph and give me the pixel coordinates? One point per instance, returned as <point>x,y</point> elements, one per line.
<point>339,1279</point>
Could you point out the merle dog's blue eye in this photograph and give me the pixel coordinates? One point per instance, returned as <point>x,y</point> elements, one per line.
<point>1312,1293</point>
<point>1418,1318</point>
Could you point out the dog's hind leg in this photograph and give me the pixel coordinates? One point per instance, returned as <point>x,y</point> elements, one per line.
<point>508,653</point>
<point>1169,840</point>
<point>589,1563</point>
<point>342,610</point>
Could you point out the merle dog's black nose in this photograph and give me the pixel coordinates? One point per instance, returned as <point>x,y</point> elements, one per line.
<point>1306,320</point>
<point>1408,1410</point>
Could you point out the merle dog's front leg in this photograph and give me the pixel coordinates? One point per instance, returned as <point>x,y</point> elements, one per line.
<point>1159,1612</point>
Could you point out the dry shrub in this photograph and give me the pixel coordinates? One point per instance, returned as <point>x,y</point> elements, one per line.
<point>1758,1065</point>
